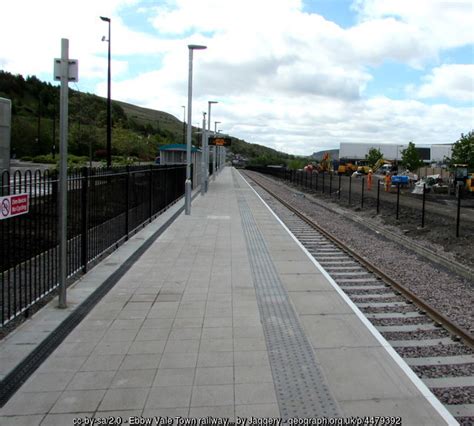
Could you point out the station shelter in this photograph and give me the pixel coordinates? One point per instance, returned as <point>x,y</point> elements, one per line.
<point>176,154</point>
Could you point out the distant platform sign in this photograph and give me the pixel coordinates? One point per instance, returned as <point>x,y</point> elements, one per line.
<point>219,141</point>
<point>14,205</point>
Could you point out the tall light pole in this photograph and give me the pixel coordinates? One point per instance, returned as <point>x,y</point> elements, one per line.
<point>109,103</point>
<point>206,182</point>
<point>203,154</point>
<point>184,124</point>
<point>215,152</point>
<point>187,185</point>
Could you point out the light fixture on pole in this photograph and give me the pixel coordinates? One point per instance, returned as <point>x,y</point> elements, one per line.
<point>187,185</point>
<point>184,124</point>
<point>109,101</point>
<point>206,148</point>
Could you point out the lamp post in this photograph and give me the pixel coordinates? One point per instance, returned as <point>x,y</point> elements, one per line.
<point>214,162</point>
<point>203,154</point>
<point>206,182</point>
<point>187,185</point>
<point>184,124</point>
<point>109,103</point>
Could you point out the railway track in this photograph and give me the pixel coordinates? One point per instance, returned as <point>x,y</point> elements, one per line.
<point>436,349</point>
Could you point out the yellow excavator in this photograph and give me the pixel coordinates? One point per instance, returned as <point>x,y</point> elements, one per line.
<point>470,182</point>
<point>325,163</point>
<point>346,167</point>
<point>382,164</point>
<point>461,174</point>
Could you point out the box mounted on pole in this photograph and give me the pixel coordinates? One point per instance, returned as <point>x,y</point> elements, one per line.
<point>219,141</point>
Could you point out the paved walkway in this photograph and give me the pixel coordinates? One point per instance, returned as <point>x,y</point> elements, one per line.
<point>224,316</point>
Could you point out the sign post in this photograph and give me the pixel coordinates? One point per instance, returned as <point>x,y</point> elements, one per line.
<point>65,70</point>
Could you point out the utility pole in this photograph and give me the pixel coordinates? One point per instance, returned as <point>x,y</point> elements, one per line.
<point>65,70</point>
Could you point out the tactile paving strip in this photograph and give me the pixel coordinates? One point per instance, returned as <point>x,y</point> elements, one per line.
<point>300,385</point>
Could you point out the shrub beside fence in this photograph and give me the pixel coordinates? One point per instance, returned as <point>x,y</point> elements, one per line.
<point>104,207</point>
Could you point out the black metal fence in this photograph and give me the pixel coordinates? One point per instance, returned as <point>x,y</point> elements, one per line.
<point>104,207</point>
<point>395,200</point>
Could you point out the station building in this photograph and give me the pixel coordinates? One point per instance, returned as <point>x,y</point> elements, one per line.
<point>176,154</point>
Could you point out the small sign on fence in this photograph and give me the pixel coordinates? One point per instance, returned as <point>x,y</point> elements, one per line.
<point>14,205</point>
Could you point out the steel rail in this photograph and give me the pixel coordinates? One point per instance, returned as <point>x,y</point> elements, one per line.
<point>432,312</point>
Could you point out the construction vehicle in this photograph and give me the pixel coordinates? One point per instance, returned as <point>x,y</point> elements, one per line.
<point>461,174</point>
<point>470,183</point>
<point>363,167</point>
<point>346,167</point>
<point>382,165</point>
<point>325,163</point>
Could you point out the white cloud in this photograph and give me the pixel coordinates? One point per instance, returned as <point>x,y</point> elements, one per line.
<point>378,40</point>
<point>32,35</point>
<point>447,23</point>
<point>453,81</point>
<point>287,79</point>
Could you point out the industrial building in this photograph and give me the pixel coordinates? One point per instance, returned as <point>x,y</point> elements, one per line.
<point>428,153</point>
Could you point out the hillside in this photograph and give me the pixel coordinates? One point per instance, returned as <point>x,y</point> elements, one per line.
<point>333,154</point>
<point>137,131</point>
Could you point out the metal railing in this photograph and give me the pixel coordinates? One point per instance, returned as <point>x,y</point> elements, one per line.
<point>387,201</point>
<point>104,207</point>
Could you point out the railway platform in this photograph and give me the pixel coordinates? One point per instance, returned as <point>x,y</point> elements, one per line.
<point>222,315</point>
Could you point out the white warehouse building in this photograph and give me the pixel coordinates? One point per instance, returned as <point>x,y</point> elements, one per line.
<point>428,153</point>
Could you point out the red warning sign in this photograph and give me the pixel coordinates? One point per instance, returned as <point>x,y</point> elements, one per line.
<point>14,205</point>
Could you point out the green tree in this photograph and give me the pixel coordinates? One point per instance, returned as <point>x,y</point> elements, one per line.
<point>297,163</point>
<point>373,156</point>
<point>410,158</point>
<point>463,151</point>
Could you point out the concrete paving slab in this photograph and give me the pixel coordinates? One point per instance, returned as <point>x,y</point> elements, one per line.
<point>169,397</point>
<point>25,420</point>
<point>345,330</point>
<point>71,401</point>
<point>369,371</point>
<point>124,399</point>
<point>90,380</point>
<point>212,395</point>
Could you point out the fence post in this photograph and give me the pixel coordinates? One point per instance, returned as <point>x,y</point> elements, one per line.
<point>150,183</point>
<point>84,219</point>
<point>339,188</point>
<point>166,171</point>
<point>458,215</point>
<point>362,193</point>
<point>330,183</point>
<point>378,196</point>
<point>323,182</point>
<point>350,189</point>
<point>398,199</point>
<point>423,207</point>
<point>127,200</point>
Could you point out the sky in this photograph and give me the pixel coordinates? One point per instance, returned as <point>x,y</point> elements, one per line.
<point>299,76</point>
